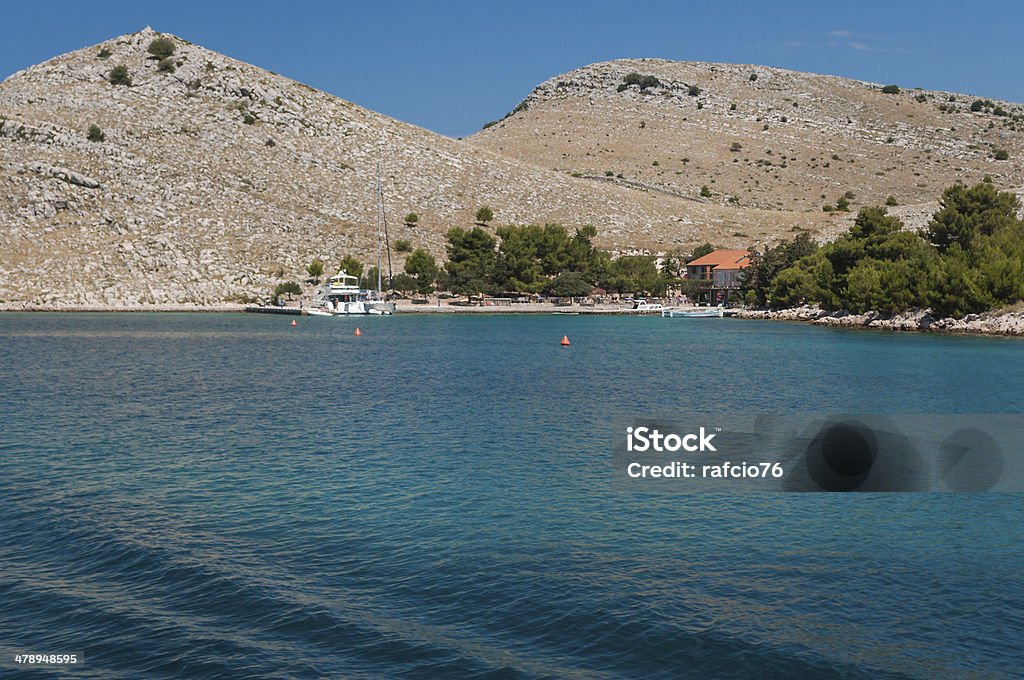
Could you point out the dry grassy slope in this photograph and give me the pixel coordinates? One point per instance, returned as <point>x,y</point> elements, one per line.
<point>185,202</point>
<point>789,126</point>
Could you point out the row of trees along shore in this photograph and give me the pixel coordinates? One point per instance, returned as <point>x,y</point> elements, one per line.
<point>519,259</point>
<point>969,259</point>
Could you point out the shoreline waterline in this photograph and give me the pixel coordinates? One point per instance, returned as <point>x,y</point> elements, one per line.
<point>991,323</point>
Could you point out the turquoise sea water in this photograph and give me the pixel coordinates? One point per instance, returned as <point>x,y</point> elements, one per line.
<point>205,496</point>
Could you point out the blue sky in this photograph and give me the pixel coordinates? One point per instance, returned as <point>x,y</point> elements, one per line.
<point>452,66</point>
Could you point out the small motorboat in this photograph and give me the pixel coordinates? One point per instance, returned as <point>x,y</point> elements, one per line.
<point>711,313</point>
<point>318,311</point>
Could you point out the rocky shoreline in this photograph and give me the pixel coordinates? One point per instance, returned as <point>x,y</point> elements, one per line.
<point>30,307</point>
<point>998,322</point>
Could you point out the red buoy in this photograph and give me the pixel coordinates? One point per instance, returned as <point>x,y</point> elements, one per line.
<point>358,332</point>
<point>565,341</point>
<point>293,323</point>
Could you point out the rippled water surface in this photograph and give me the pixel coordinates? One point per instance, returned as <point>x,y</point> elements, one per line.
<point>212,496</point>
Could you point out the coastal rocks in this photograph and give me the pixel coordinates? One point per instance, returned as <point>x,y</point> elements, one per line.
<point>989,323</point>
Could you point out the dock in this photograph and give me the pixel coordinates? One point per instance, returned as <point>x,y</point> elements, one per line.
<point>267,309</point>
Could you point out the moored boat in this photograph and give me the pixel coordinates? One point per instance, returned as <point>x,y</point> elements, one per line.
<point>646,307</point>
<point>341,295</point>
<point>714,312</point>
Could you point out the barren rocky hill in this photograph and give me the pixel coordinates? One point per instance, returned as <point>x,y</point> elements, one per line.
<point>761,137</point>
<point>215,179</point>
<point>206,179</point>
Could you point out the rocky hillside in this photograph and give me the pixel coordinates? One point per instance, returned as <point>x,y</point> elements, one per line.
<point>759,137</point>
<point>206,180</point>
<point>200,179</point>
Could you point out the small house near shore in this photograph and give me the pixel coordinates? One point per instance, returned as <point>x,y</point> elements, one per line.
<point>721,269</point>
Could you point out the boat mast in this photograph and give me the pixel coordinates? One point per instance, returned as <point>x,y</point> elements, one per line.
<point>387,240</point>
<point>380,222</point>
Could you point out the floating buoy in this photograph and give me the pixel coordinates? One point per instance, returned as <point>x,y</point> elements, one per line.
<point>294,323</point>
<point>358,332</point>
<point>565,341</point>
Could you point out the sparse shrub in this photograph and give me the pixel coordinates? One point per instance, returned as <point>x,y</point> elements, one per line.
<point>622,87</point>
<point>835,157</point>
<point>632,78</point>
<point>890,139</point>
<point>705,192</point>
<point>104,53</point>
<point>843,204</point>
<point>1001,155</point>
<point>119,75</point>
<point>315,269</point>
<point>412,218</point>
<point>977,105</point>
<point>784,119</point>
<point>166,65</point>
<point>891,89</point>
<point>649,81</point>
<point>161,48</point>
<point>735,146</point>
<point>270,142</point>
<point>95,134</point>
<point>248,118</point>
<point>403,246</point>
<point>693,91</point>
<point>753,77</point>
<point>1000,111</point>
<point>288,288</point>
<point>828,207</point>
<point>849,195</point>
<point>609,173</point>
<point>700,105</point>
<point>732,107</point>
<point>922,98</point>
<point>765,126</point>
<point>655,164</point>
<point>484,214</point>
<point>643,124</point>
<point>891,201</point>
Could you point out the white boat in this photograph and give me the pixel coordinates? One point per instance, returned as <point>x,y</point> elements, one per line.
<point>645,306</point>
<point>318,311</point>
<point>341,294</point>
<point>714,312</point>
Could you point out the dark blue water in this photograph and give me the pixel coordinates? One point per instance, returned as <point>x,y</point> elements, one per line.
<point>210,496</point>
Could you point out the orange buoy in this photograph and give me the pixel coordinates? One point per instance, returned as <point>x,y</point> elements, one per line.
<point>358,332</point>
<point>565,341</point>
<point>293,323</point>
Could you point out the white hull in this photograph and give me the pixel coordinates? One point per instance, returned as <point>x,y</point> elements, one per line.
<point>361,308</point>
<point>715,313</point>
